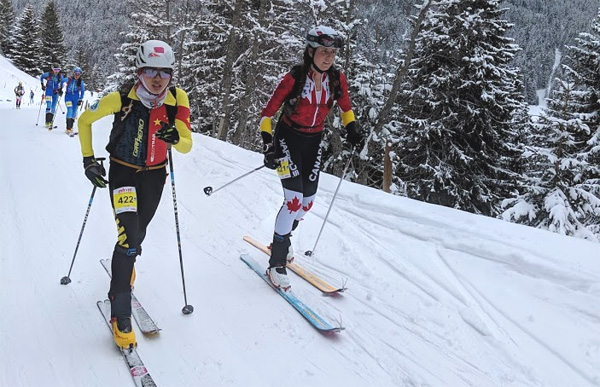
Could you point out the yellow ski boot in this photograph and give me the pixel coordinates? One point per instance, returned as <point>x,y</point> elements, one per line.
<point>123,333</point>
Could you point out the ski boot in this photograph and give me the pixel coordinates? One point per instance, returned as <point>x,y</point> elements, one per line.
<point>120,321</point>
<point>280,249</point>
<point>278,277</point>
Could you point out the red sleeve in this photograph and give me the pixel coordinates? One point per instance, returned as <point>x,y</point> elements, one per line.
<point>344,100</point>
<point>279,96</point>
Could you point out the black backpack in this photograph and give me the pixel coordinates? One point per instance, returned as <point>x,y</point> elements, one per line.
<point>126,105</point>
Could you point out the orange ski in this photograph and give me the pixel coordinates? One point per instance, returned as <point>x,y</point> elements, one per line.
<point>311,278</point>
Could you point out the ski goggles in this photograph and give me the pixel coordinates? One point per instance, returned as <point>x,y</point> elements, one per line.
<point>56,69</point>
<point>151,72</point>
<point>76,72</point>
<point>327,40</point>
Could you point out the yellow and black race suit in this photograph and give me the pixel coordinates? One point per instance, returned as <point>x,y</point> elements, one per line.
<point>137,173</point>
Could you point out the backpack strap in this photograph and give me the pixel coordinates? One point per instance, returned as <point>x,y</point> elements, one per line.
<point>172,110</point>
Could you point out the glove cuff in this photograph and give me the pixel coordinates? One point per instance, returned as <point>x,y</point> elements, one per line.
<point>88,160</point>
<point>266,137</point>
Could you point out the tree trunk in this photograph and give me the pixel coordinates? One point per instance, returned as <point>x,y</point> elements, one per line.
<point>227,81</point>
<point>387,167</point>
<point>383,116</point>
<point>250,79</point>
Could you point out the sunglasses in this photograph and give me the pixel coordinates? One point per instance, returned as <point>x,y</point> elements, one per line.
<point>152,72</point>
<point>327,40</point>
<point>56,70</point>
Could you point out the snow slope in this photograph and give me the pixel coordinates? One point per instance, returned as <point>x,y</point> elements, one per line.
<point>10,77</point>
<point>436,297</point>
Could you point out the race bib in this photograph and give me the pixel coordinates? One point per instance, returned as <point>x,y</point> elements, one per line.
<point>283,170</point>
<point>48,98</point>
<point>69,103</point>
<point>125,200</point>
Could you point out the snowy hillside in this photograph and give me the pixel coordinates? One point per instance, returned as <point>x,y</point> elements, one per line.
<point>11,76</point>
<point>436,297</point>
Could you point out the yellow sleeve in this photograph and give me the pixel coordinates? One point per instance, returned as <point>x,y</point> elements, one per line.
<point>109,104</point>
<point>266,125</point>
<point>347,117</point>
<point>182,122</point>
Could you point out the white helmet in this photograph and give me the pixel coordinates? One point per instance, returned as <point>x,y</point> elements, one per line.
<point>325,37</point>
<point>155,53</point>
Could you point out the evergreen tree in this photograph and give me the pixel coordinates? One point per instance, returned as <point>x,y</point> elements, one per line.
<point>7,16</point>
<point>82,60</point>
<point>458,108</point>
<point>564,196</point>
<point>148,20</point>
<point>559,198</point>
<point>203,62</point>
<point>26,43</point>
<point>53,49</point>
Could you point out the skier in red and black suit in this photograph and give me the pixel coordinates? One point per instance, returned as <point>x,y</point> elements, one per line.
<point>308,93</point>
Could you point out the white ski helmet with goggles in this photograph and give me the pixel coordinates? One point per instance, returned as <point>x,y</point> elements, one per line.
<point>322,36</point>
<point>155,53</point>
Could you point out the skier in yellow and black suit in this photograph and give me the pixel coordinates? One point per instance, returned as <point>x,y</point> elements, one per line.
<point>147,119</point>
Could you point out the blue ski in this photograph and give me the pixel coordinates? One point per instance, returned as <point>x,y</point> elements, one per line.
<point>313,318</point>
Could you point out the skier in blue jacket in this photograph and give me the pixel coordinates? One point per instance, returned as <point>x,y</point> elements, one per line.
<point>74,97</point>
<point>53,88</point>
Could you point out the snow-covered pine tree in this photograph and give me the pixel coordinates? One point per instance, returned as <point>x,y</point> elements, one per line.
<point>148,20</point>
<point>276,41</point>
<point>82,60</point>
<point>564,197</point>
<point>53,49</point>
<point>457,111</point>
<point>7,15</point>
<point>203,62</point>
<point>26,43</point>
<point>559,198</point>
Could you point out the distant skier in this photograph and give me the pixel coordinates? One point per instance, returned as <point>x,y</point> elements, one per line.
<point>75,90</point>
<point>307,93</point>
<point>19,92</point>
<point>148,118</point>
<point>31,95</point>
<point>53,88</point>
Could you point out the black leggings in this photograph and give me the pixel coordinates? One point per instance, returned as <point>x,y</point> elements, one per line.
<point>134,197</point>
<point>304,153</point>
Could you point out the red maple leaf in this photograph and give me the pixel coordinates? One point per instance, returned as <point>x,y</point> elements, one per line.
<point>294,205</point>
<point>307,208</point>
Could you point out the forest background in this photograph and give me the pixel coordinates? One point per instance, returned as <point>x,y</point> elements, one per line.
<point>440,88</point>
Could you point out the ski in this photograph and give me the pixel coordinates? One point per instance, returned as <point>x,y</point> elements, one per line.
<point>141,317</point>
<point>310,277</point>
<point>313,318</point>
<point>139,373</point>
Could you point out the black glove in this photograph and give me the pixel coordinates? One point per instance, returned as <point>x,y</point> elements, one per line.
<point>60,92</point>
<point>43,87</point>
<point>54,91</point>
<point>168,134</point>
<point>354,136</point>
<point>268,150</point>
<point>94,171</point>
<point>80,102</point>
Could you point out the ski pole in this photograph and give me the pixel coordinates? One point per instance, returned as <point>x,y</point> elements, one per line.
<point>308,253</point>
<point>67,280</point>
<point>209,190</point>
<point>187,309</point>
<point>39,110</point>
<point>54,115</point>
